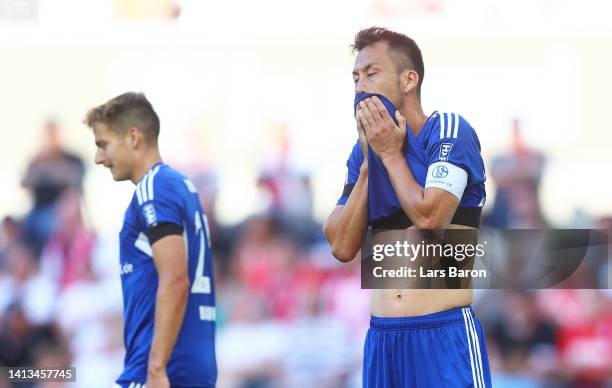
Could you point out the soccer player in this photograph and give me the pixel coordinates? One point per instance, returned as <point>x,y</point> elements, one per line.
<point>409,170</point>
<point>165,257</point>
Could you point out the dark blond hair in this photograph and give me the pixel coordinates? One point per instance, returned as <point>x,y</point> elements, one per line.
<point>125,111</point>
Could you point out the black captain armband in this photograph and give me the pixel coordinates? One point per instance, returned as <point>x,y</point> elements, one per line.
<point>347,189</point>
<point>163,230</point>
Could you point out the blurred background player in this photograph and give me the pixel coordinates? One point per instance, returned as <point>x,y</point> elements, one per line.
<point>165,256</point>
<point>436,182</point>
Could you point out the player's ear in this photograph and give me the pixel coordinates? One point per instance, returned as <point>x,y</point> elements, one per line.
<point>409,80</point>
<point>134,137</point>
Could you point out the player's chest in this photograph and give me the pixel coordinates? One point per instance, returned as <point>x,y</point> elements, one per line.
<point>133,242</point>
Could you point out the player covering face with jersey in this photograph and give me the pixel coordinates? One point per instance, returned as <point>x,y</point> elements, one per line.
<point>410,170</point>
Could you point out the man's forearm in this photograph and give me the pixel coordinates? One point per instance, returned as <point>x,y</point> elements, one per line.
<point>346,228</point>
<point>170,305</point>
<point>409,192</point>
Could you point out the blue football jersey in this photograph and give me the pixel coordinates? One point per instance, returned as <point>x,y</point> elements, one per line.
<point>165,196</point>
<point>445,153</point>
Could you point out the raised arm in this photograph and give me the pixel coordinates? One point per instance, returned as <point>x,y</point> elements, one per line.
<point>346,226</point>
<point>430,207</point>
<point>427,208</point>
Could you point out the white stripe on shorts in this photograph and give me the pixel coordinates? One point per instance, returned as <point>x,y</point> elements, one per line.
<point>467,333</point>
<point>477,346</point>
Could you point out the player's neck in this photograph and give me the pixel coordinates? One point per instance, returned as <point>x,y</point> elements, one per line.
<point>413,112</point>
<point>149,160</point>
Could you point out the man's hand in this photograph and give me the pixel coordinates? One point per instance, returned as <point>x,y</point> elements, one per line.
<point>363,140</point>
<point>157,378</point>
<point>384,136</point>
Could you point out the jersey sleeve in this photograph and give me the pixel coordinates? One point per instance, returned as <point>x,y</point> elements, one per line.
<point>353,164</point>
<point>161,208</point>
<point>453,153</point>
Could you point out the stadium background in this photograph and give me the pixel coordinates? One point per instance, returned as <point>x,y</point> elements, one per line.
<point>255,100</point>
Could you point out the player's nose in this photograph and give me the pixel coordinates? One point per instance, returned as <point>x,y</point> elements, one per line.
<point>99,158</point>
<point>361,86</point>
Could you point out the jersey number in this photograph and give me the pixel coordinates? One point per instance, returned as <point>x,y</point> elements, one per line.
<point>201,283</point>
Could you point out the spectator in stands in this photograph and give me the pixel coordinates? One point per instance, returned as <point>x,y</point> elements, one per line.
<point>517,176</point>
<point>49,174</point>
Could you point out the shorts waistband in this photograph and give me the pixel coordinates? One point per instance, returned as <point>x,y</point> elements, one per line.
<point>441,318</point>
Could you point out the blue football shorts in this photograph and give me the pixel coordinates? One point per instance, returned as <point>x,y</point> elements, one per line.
<point>443,349</point>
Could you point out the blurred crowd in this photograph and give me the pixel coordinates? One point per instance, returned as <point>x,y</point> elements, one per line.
<point>289,314</point>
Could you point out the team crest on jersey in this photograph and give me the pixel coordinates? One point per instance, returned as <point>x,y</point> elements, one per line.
<point>445,150</point>
<point>148,211</point>
<point>440,172</point>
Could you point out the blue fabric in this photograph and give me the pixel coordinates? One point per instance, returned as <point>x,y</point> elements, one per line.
<point>444,349</point>
<point>139,384</point>
<point>461,148</point>
<point>362,96</point>
<point>165,196</point>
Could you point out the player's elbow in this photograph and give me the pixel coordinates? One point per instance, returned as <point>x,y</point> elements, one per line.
<point>343,253</point>
<point>343,256</point>
<point>184,284</point>
<point>427,217</point>
<point>428,223</point>
<point>178,284</point>
<point>342,246</point>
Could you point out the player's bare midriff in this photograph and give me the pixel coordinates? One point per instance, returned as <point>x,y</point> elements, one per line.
<point>413,302</point>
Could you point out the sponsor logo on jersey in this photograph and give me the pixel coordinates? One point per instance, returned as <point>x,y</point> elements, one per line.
<point>208,313</point>
<point>126,268</point>
<point>445,149</point>
<point>440,172</point>
<point>148,211</point>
